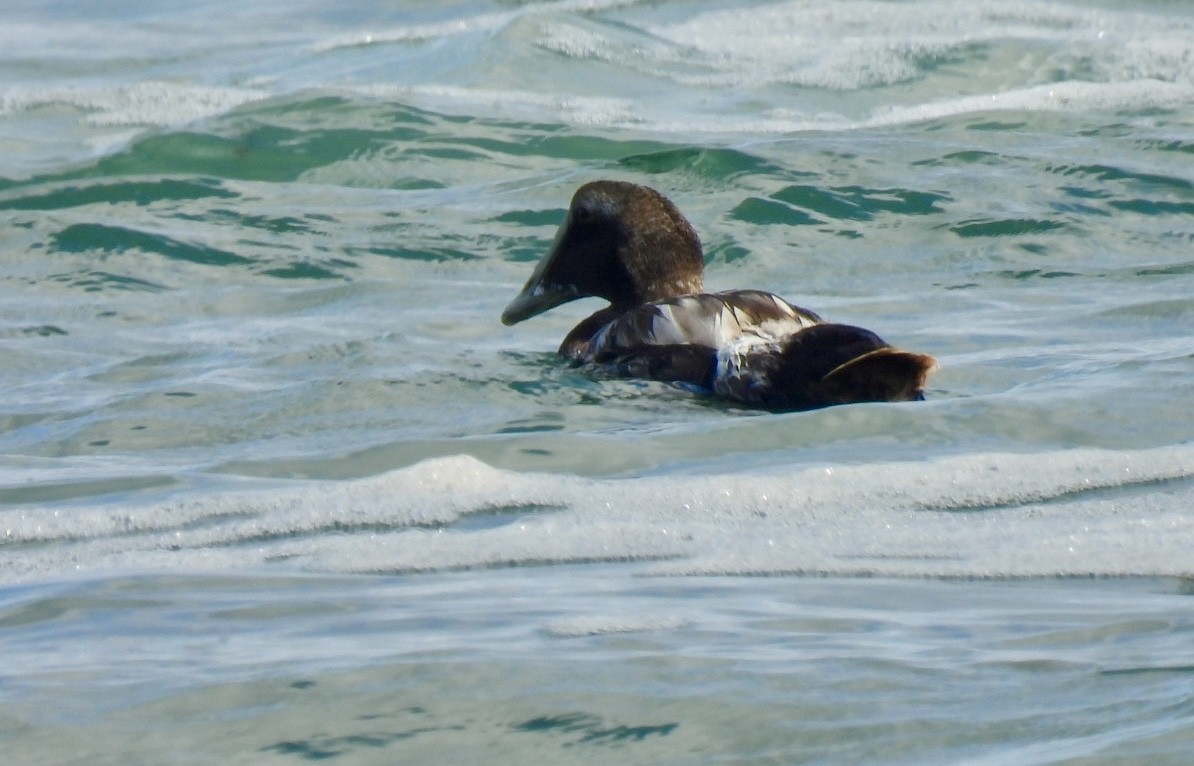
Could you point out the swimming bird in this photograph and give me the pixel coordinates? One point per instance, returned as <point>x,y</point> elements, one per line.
<point>631,246</point>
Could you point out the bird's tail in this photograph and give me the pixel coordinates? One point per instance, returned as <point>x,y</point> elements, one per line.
<point>829,364</point>
<point>883,375</point>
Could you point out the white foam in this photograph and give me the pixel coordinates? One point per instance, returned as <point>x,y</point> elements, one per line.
<point>144,104</point>
<point>994,56</point>
<point>601,111</point>
<point>600,625</point>
<point>1054,97</point>
<point>482,22</point>
<point>689,74</point>
<point>1075,512</point>
<point>720,71</point>
<point>575,109</point>
<point>865,43</point>
<point>416,32</point>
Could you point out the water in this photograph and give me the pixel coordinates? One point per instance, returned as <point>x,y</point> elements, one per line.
<point>276,485</point>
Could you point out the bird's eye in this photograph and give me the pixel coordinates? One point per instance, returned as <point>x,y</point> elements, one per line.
<point>582,214</point>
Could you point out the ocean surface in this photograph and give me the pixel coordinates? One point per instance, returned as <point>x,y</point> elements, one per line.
<point>277,486</point>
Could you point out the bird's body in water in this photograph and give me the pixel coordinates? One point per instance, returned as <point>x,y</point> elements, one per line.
<point>630,245</point>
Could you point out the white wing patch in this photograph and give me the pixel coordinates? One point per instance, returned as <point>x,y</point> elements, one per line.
<point>734,378</point>
<point>730,323</point>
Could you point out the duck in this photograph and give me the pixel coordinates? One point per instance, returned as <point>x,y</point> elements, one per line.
<point>629,245</point>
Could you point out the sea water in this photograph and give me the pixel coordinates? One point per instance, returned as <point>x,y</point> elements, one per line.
<point>277,486</point>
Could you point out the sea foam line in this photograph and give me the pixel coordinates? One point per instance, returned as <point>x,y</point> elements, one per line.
<point>1081,511</point>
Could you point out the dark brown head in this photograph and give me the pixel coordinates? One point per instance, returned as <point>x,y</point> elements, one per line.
<point>620,241</point>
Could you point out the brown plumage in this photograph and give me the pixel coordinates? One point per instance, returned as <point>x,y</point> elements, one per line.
<point>630,245</point>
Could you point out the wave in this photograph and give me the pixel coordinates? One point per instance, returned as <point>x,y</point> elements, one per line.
<point>453,27</point>
<point>143,104</point>
<point>1080,512</point>
<point>717,76</point>
<point>799,66</point>
<point>864,43</point>
<point>769,68</point>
